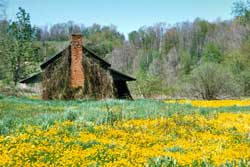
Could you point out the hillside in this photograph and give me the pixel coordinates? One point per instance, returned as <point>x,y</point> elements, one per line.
<point>199,59</point>
<point>171,61</point>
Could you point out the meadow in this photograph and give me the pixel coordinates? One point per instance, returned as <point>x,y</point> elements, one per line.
<point>124,133</point>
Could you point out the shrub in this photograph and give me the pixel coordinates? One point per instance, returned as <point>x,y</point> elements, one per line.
<point>245,80</point>
<point>210,81</point>
<point>148,85</point>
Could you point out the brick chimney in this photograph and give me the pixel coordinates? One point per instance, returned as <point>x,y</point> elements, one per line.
<point>76,68</point>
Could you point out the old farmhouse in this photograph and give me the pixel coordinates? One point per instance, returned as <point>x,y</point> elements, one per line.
<point>77,72</point>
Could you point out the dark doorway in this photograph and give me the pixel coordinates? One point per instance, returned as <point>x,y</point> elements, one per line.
<point>122,90</point>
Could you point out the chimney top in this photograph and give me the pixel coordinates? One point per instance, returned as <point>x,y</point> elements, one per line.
<point>76,34</point>
<point>76,40</point>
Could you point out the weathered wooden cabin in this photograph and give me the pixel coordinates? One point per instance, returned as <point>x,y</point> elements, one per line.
<point>77,73</point>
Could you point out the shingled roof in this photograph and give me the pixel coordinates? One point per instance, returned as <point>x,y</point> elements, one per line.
<point>120,76</point>
<point>58,55</point>
<point>116,74</point>
<point>35,78</point>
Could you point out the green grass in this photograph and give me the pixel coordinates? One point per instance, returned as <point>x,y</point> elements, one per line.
<point>17,112</point>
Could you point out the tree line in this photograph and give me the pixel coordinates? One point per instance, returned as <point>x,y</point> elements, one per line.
<point>199,59</point>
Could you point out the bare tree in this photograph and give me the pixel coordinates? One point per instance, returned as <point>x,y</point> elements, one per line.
<point>160,30</point>
<point>123,58</point>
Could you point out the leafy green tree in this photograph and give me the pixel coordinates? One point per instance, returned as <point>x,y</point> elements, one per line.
<point>245,82</point>
<point>20,51</point>
<point>199,34</point>
<point>103,40</point>
<point>236,61</point>
<point>3,25</point>
<point>3,62</point>
<point>212,53</point>
<point>241,11</point>
<point>186,62</point>
<point>134,38</point>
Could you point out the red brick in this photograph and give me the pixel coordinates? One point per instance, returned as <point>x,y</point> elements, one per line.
<point>76,68</point>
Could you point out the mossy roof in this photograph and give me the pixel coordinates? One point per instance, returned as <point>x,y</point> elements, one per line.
<point>58,55</point>
<point>115,74</point>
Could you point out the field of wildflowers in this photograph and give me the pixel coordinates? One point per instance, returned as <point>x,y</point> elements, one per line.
<point>212,103</point>
<point>124,133</point>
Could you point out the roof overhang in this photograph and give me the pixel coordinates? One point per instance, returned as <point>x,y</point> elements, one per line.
<point>52,59</point>
<point>35,78</point>
<point>118,76</point>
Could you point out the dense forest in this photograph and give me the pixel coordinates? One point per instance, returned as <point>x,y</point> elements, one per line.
<point>199,59</point>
